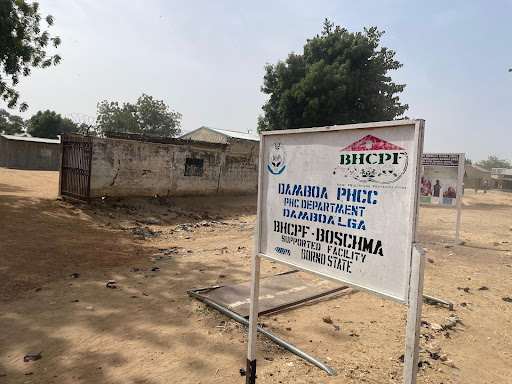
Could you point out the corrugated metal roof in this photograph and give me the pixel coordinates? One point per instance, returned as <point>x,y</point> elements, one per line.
<point>480,168</point>
<point>227,133</point>
<point>34,139</point>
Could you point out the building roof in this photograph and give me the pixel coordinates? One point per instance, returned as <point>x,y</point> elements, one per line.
<point>33,139</point>
<point>226,133</point>
<point>480,168</point>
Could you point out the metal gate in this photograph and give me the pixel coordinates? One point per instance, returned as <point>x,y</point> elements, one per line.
<point>75,171</point>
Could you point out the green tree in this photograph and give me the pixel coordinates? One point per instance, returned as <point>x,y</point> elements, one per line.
<point>11,124</point>
<point>146,117</point>
<point>341,78</point>
<point>49,124</point>
<point>22,46</point>
<point>468,161</point>
<point>494,162</point>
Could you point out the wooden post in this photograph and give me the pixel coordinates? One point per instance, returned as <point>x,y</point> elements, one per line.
<point>412,336</point>
<point>253,320</point>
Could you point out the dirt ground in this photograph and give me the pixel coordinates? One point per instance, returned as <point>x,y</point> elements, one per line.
<point>148,330</point>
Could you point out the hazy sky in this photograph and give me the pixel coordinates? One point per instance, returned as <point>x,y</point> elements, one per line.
<point>205,60</point>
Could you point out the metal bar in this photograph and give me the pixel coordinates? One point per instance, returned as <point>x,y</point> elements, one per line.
<point>437,300</point>
<point>289,347</point>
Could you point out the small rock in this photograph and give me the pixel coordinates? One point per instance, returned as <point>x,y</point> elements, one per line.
<point>462,243</point>
<point>443,357</point>
<point>150,221</point>
<point>435,326</point>
<point>430,261</point>
<point>449,363</point>
<point>327,319</point>
<point>74,275</point>
<point>144,293</point>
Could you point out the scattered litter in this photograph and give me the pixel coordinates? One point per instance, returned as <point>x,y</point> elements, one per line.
<point>144,293</point>
<point>484,288</point>
<point>29,373</point>
<point>448,246</point>
<point>477,273</point>
<point>336,328</point>
<point>75,301</point>
<point>465,289</point>
<point>443,357</point>
<point>507,299</point>
<point>154,269</point>
<point>202,270</point>
<point>455,374</point>
<point>89,308</point>
<point>401,358</point>
<point>290,364</point>
<point>496,243</point>
<point>430,261</point>
<point>163,258</point>
<point>111,284</point>
<point>134,297</point>
<point>39,289</point>
<point>462,243</point>
<point>222,276</point>
<point>327,319</point>
<point>242,372</point>
<point>135,269</point>
<point>28,358</point>
<point>74,275</point>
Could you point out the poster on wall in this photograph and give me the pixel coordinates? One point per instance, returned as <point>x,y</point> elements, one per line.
<point>342,202</point>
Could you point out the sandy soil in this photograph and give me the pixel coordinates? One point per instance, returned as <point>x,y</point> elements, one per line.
<point>148,330</point>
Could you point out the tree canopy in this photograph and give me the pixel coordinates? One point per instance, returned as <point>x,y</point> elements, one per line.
<point>146,117</point>
<point>49,124</point>
<point>494,162</point>
<point>10,124</point>
<point>341,78</point>
<point>23,46</point>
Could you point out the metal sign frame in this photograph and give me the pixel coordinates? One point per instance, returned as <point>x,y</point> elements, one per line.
<point>460,182</point>
<point>414,271</point>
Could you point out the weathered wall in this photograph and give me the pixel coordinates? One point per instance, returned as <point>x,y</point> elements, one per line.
<point>475,178</point>
<point>21,154</point>
<point>131,168</point>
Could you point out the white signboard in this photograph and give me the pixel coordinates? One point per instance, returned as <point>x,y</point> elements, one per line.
<point>342,202</point>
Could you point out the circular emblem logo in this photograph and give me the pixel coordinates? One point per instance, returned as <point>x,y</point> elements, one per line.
<point>276,158</point>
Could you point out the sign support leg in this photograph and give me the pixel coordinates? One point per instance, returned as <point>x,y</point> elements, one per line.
<point>253,321</point>
<point>412,337</point>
